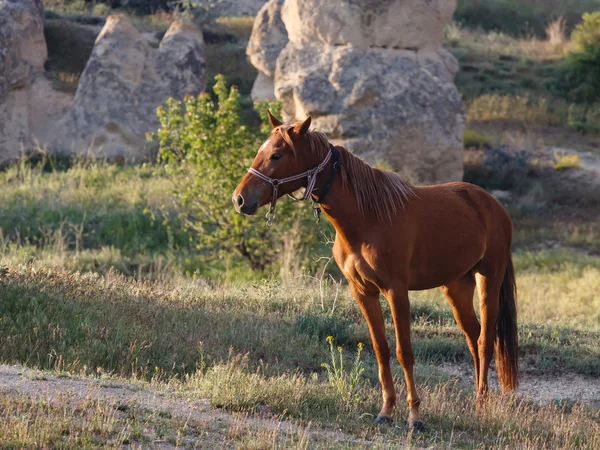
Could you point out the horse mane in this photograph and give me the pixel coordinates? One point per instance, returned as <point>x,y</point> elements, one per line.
<point>378,192</point>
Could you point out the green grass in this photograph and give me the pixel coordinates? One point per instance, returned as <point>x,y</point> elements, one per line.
<point>249,346</point>
<point>508,84</point>
<point>246,346</point>
<point>91,216</point>
<point>521,17</point>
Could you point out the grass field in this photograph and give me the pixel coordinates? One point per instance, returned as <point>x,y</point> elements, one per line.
<point>251,346</point>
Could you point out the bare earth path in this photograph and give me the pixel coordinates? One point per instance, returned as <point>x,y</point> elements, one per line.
<point>23,382</point>
<point>216,425</point>
<point>543,388</point>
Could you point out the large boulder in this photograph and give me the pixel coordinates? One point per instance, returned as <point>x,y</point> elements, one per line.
<point>124,82</point>
<point>404,24</point>
<point>382,104</point>
<point>373,75</point>
<point>268,39</point>
<point>22,56</point>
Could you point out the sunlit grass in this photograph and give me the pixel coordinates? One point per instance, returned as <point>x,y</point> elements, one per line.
<point>565,161</point>
<point>240,26</point>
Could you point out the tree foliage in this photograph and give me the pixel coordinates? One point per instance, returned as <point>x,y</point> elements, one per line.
<point>207,149</point>
<point>579,77</point>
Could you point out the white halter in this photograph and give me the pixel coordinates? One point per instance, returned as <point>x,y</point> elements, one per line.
<point>311,175</point>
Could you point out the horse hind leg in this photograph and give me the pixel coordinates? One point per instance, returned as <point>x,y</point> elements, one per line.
<point>489,298</point>
<point>460,295</point>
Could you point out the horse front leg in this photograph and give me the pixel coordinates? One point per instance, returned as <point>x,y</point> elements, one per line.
<point>371,309</point>
<point>400,306</point>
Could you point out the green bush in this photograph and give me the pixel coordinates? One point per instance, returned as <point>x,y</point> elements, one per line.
<point>207,150</point>
<point>578,78</point>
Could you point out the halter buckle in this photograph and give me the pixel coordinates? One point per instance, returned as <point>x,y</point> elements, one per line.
<point>270,216</point>
<point>316,211</point>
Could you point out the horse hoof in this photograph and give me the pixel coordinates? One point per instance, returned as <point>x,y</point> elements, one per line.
<point>383,420</point>
<point>416,425</point>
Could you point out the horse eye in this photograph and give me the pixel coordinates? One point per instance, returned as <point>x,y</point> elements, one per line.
<point>275,156</point>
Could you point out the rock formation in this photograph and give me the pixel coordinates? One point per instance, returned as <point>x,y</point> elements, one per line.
<point>124,82</point>
<point>371,73</point>
<point>22,56</point>
<point>269,38</point>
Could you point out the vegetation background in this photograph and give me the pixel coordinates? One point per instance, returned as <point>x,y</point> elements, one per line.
<point>142,273</point>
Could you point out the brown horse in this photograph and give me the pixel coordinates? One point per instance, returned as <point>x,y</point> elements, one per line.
<point>392,237</point>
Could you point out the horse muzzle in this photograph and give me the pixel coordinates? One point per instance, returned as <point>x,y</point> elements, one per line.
<point>247,206</point>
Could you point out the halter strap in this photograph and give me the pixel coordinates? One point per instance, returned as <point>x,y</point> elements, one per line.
<point>311,176</point>
<point>334,168</point>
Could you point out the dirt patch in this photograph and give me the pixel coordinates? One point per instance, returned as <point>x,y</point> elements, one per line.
<point>17,380</point>
<point>541,388</point>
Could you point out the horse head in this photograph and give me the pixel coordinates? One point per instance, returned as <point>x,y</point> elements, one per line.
<point>273,172</point>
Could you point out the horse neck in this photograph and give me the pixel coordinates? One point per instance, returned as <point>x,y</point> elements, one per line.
<point>341,208</point>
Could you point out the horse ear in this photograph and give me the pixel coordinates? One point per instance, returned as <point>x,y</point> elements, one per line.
<point>274,121</point>
<point>302,127</point>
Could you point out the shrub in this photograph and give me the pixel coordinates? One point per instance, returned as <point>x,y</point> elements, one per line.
<point>578,78</point>
<point>207,149</point>
<point>587,34</point>
<point>498,168</point>
<point>509,168</point>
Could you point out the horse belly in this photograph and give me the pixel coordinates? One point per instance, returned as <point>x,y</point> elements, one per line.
<point>434,267</point>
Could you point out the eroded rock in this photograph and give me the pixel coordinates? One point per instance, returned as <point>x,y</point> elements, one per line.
<point>406,24</point>
<point>372,74</point>
<point>22,56</point>
<point>124,82</point>
<point>382,104</point>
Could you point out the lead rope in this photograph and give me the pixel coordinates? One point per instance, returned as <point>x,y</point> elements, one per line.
<point>310,186</point>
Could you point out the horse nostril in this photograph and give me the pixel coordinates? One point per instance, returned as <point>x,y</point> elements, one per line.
<point>240,200</point>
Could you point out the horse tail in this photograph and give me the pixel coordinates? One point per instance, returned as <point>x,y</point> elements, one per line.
<point>507,341</point>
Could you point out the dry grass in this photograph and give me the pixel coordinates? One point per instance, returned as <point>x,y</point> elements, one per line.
<point>556,32</point>
<point>40,423</point>
<point>497,43</point>
<point>530,111</point>
<point>240,26</point>
<point>64,421</point>
<point>249,347</point>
